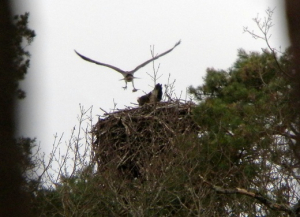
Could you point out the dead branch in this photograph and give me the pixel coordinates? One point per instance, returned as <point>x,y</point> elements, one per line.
<point>264,28</point>
<point>264,200</point>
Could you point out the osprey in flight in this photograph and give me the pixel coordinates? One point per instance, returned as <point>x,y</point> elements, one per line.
<point>128,75</point>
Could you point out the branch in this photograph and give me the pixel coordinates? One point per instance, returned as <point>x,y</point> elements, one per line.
<point>267,202</point>
<point>264,28</point>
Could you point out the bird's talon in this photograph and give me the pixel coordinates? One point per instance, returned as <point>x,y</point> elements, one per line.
<point>134,90</point>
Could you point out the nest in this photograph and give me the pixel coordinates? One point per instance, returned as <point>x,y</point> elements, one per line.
<point>128,139</point>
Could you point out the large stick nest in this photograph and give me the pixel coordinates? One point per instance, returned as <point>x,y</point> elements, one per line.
<point>127,139</point>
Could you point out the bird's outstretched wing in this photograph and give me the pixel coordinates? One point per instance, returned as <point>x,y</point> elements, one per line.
<point>154,58</point>
<point>102,64</point>
<point>127,72</point>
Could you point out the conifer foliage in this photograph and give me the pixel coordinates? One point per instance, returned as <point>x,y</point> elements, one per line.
<point>23,36</point>
<point>249,133</point>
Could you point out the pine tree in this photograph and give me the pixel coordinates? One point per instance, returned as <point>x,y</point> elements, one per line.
<point>248,130</point>
<point>22,37</point>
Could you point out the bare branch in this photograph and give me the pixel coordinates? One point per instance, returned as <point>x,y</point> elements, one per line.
<point>264,28</point>
<point>266,201</point>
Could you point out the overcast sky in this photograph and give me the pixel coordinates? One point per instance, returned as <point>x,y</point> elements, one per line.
<point>120,33</point>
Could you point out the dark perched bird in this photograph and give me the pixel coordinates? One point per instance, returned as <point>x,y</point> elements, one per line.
<point>152,97</point>
<point>128,75</point>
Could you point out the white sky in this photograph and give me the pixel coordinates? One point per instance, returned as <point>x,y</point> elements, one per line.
<point>120,33</point>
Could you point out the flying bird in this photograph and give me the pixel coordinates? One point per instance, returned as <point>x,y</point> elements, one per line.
<point>152,97</point>
<point>128,75</point>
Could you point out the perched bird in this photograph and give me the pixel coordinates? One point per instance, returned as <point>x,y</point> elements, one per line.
<point>128,75</point>
<point>152,97</point>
